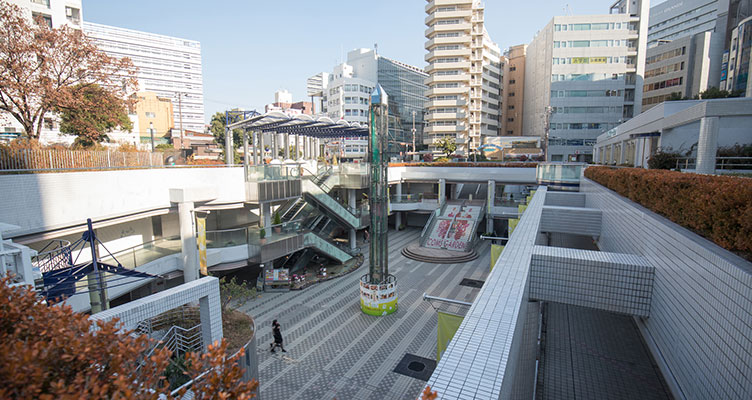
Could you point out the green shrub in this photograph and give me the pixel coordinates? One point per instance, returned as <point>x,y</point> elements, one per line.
<point>663,159</point>
<point>716,207</point>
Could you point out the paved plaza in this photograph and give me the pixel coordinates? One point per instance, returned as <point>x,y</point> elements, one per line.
<point>336,351</point>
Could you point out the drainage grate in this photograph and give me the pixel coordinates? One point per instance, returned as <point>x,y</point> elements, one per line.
<point>416,367</point>
<point>473,283</point>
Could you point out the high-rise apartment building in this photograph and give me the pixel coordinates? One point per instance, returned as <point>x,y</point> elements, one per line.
<point>583,76</point>
<point>464,64</point>
<point>168,66</point>
<point>346,94</point>
<point>513,91</point>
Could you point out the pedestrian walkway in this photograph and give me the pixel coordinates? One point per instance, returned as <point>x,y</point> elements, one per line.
<point>336,351</point>
<point>592,354</point>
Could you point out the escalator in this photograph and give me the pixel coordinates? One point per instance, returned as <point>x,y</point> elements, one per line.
<point>319,196</point>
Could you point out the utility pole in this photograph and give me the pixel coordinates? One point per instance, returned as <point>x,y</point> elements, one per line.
<point>180,116</point>
<point>151,132</point>
<point>414,150</point>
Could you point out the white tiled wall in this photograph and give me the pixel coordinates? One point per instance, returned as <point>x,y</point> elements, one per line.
<point>571,220</point>
<point>700,325</point>
<point>614,282</point>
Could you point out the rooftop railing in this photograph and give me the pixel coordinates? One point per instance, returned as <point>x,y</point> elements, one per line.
<point>258,173</point>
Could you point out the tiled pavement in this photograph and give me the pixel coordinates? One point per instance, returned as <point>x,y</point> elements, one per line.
<point>592,354</point>
<point>336,351</point>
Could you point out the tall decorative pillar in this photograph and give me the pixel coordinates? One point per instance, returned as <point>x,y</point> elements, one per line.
<point>378,289</point>
<point>707,145</point>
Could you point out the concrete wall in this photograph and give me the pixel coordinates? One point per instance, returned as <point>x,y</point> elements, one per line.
<point>699,328</point>
<point>39,202</point>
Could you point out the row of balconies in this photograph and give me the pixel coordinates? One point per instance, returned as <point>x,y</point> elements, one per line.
<point>464,14</point>
<point>463,27</point>
<point>462,90</point>
<point>453,65</point>
<point>447,53</point>
<point>443,3</point>
<point>462,78</point>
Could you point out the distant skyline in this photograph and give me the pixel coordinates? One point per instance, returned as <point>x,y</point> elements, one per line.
<point>252,49</point>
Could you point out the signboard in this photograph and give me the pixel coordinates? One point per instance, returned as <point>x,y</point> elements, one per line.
<point>378,299</point>
<point>496,250</point>
<point>277,276</point>
<point>201,227</point>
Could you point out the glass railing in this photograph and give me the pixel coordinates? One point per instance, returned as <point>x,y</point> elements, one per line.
<point>558,172</point>
<point>406,198</point>
<point>274,233</point>
<point>226,238</point>
<point>350,215</point>
<point>139,255</point>
<point>257,173</point>
<point>509,201</point>
<point>354,168</point>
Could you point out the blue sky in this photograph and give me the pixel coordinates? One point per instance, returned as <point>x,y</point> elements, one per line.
<point>252,48</point>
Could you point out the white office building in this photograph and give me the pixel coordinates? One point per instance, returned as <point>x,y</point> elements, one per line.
<point>167,66</point>
<point>584,76</point>
<point>346,92</point>
<point>464,64</point>
<point>676,19</point>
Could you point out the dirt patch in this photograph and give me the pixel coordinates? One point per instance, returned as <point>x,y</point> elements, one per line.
<point>237,328</point>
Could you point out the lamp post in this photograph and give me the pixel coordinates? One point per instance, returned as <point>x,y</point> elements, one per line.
<point>151,133</point>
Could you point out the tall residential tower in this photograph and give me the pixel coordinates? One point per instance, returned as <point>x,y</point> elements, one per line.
<point>464,65</point>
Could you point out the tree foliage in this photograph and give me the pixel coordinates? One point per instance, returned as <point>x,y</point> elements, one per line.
<point>447,145</point>
<point>50,352</point>
<point>663,159</point>
<point>715,93</point>
<point>97,112</point>
<point>217,128</point>
<point>233,291</point>
<point>42,69</point>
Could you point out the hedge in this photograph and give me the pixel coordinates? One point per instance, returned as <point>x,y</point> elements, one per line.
<point>716,207</point>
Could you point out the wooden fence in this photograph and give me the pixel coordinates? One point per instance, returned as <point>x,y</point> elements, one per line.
<point>20,160</point>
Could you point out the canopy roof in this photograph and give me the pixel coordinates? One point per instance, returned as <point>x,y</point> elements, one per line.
<point>305,125</point>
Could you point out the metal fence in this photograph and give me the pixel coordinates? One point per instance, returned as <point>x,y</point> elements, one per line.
<point>725,163</point>
<point>25,160</point>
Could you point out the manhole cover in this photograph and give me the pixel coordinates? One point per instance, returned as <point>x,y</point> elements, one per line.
<point>473,283</point>
<point>416,367</point>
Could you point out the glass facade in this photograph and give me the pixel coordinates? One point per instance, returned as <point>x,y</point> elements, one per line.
<point>406,90</point>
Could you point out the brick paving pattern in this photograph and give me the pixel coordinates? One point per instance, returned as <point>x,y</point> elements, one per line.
<point>336,351</point>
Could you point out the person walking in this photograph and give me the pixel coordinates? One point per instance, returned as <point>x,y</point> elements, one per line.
<point>277,337</point>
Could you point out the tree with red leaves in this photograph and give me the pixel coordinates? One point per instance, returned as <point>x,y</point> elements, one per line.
<point>50,352</point>
<point>44,69</point>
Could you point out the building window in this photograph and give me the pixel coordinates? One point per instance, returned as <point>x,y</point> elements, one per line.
<point>151,115</point>
<point>512,81</point>
<point>510,107</point>
<point>511,94</point>
<point>42,19</point>
<point>48,124</point>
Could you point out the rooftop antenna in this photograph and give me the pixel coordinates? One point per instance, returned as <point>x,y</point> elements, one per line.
<point>376,48</point>
<point>567,9</point>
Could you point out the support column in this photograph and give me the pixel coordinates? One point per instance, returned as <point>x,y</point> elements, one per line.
<point>245,154</point>
<point>491,198</point>
<point>254,139</point>
<point>188,241</point>
<point>261,148</point>
<point>287,146</point>
<point>305,147</point>
<point>707,145</point>
<point>352,201</point>
<point>297,147</point>
<point>622,155</point>
<point>442,191</point>
<point>275,145</point>
<point>228,147</point>
<point>397,214</point>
